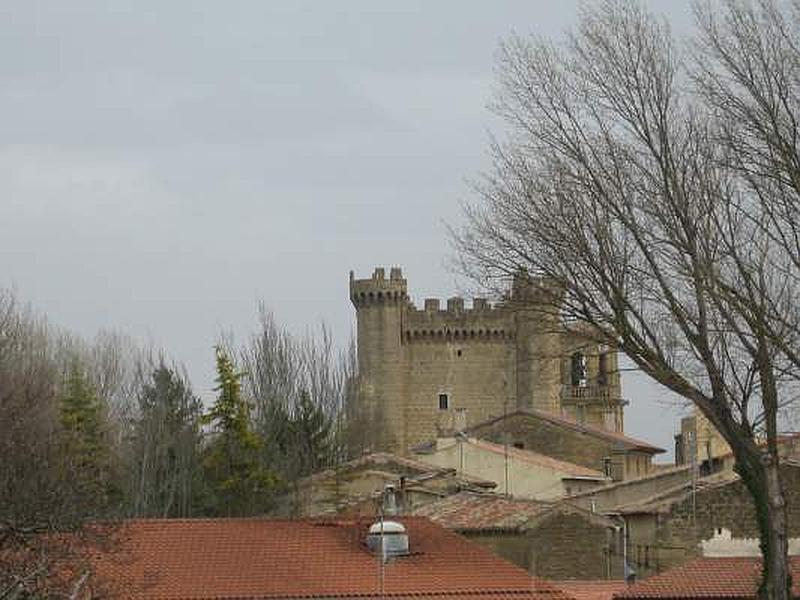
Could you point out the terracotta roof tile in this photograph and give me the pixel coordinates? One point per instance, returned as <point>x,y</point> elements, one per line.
<point>591,590</point>
<point>728,577</point>
<point>261,558</point>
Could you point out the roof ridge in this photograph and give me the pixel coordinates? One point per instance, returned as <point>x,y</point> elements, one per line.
<point>549,460</point>
<point>673,494</point>
<point>637,480</point>
<point>582,427</point>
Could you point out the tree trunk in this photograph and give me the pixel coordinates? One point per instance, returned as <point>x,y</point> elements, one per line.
<point>759,471</point>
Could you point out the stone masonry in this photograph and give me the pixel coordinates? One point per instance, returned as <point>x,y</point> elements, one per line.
<point>431,370</point>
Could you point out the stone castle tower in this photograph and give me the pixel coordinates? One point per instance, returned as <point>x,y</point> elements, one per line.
<point>423,372</point>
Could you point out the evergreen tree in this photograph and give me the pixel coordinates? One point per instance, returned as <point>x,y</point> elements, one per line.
<point>86,456</point>
<point>238,485</point>
<point>312,436</point>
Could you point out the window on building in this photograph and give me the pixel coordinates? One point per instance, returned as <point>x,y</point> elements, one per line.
<point>580,414</point>
<point>602,369</point>
<point>519,445</point>
<point>607,466</point>
<point>444,402</point>
<point>578,369</point>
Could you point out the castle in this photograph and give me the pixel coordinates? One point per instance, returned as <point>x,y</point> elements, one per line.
<point>424,372</point>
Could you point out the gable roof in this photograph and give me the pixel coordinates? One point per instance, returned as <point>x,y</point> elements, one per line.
<point>622,441</point>
<point>311,558</point>
<point>474,512</point>
<point>729,577</point>
<point>469,511</point>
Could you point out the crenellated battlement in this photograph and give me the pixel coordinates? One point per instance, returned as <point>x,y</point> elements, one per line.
<point>481,322</point>
<point>379,289</point>
<point>528,289</point>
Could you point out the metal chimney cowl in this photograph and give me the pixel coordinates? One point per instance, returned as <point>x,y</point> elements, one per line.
<point>388,538</point>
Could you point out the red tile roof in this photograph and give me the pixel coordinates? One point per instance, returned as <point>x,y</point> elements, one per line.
<point>591,590</point>
<point>469,511</point>
<point>265,559</point>
<point>708,578</point>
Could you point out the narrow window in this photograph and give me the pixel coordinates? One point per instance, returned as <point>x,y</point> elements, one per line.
<point>444,402</point>
<point>607,466</point>
<point>580,415</point>
<point>578,369</point>
<point>602,369</point>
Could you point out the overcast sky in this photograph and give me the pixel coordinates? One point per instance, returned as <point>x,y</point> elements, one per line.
<point>164,166</point>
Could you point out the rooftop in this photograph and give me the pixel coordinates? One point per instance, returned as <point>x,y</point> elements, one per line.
<point>392,465</point>
<point>662,501</point>
<point>541,460</point>
<point>660,473</point>
<point>591,590</point>
<point>261,558</point>
<point>708,578</point>
<point>469,511</point>
<point>624,442</point>
<point>480,512</point>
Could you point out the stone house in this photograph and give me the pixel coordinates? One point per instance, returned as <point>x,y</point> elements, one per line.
<point>518,473</point>
<point>618,456</point>
<point>675,525</point>
<point>553,541</point>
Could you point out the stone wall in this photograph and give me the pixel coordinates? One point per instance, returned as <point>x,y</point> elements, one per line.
<point>635,490</point>
<point>662,538</point>
<point>561,546</point>
<point>570,547</point>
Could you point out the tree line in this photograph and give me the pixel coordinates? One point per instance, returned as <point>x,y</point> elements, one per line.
<point>96,431</point>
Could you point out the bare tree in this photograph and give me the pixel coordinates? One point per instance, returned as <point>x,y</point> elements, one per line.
<point>44,502</point>
<point>300,387</point>
<point>657,192</point>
